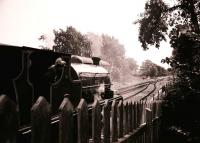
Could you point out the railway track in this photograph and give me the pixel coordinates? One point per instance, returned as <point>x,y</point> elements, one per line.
<point>140,92</point>
<point>130,88</point>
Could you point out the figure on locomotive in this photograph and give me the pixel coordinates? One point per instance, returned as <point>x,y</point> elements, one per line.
<point>28,73</point>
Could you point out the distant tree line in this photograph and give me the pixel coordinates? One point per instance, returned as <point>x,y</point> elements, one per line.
<point>150,69</point>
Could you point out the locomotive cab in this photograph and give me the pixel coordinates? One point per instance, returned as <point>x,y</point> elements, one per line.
<point>94,77</point>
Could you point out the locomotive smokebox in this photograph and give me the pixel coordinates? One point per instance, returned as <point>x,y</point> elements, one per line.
<point>96,60</point>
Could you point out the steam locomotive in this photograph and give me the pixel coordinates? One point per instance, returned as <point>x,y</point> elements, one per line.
<point>27,73</point>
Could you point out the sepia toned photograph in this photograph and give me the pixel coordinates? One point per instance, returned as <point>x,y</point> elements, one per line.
<point>99,71</point>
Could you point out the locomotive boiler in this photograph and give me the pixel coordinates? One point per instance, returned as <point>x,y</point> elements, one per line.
<point>27,73</point>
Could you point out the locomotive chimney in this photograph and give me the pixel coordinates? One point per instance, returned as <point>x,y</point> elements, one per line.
<point>96,60</point>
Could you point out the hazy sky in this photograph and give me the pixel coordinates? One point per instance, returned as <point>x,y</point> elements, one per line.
<point>23,21</point>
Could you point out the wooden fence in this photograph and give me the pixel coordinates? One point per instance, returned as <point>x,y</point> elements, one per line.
<point>115,121</point>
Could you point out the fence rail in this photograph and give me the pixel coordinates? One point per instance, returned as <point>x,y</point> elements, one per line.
<point>115,121</point>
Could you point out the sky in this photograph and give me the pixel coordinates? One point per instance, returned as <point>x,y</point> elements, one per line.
<point>23,21</point>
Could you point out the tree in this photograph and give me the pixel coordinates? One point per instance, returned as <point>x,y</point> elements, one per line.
<point>180,23</point>
<point>150,69</point>
<point>71,41</point>
<point>43,39</point>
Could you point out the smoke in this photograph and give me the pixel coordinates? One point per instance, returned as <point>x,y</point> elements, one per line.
<point>96,44</point>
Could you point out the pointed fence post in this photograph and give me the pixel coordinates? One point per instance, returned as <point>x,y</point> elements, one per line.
<point>96,122</point>
<point>40,117</point>
<point>106,122</point>
<point>130,116</point>
<point>83,127</point>
<point>154,109</point>
<point>120,116</point>
<point>114,133</point>
<point>149,125</point>
<point>8,120</point>
<point>66,122</point>
<point>137,115</point>
<point>134,116</point>
<point>126,131</point>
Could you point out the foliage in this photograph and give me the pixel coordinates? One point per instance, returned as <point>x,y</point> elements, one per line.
<point>43,38</point>
<point>71,41</point>
<point>179,111</point>
<point>150,69</point>
<point>180,23</point>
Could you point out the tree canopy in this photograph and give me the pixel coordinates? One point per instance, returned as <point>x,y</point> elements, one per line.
<point>180,23</point>
<point>150,69</point>
<point>71,41</point>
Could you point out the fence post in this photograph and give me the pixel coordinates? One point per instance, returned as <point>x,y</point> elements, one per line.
<point>96,122</point>
<point>40,117</point>
<point>134,116</point>
<point>83,128</point>
<point>137,114</point>
<point>106,122</point>
<point>130,117</point>
<point>125,114</point>
<point>8,120</point>
<point>66,122</point>
<point>120,115</point>
<point>149,124</point>
<point>114,133</point>
<point>156,126</point>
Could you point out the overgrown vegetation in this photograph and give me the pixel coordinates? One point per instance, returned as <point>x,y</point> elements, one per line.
<point>178,22</point>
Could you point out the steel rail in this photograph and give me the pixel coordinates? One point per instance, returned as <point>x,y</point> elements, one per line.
<point>126,98</point>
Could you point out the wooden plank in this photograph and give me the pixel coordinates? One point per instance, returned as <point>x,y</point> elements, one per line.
<point>154,109</point>
<point>126,131</point>
<point>137,114</point>
<point>96,122</point>
<point>106,122</point>
<point>130,116</point>
<point>143,112</point>
<point>114,132</point>
<point>149,125</point>
<point>134,116</point>
<point>40,117</point>
<point>83,127</point>
<point>8,120</point>
<point>160,109</point>
<point>120,117</point>
<point>66,122</point>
